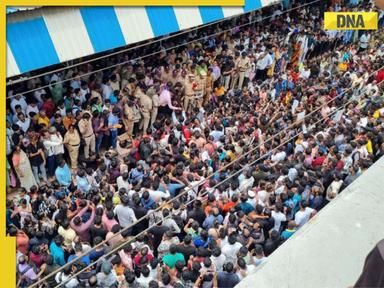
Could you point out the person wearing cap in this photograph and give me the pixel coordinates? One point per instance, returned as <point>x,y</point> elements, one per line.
<point>72,143</point>
<point>86,130</point>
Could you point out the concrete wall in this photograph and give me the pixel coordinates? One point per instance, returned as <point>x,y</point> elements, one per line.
<point>330,250</point>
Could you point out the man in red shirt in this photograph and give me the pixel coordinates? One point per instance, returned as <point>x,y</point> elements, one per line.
<point>48,106</point>
<point>318,161</point>
<point>380,76</point>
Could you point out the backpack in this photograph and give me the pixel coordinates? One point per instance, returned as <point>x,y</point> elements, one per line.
<point>23,282</point>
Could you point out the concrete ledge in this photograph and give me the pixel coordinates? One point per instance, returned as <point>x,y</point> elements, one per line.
<point>329,251</point>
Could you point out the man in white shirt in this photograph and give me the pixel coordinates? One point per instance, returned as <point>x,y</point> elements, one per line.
<point>122,181</point>
<point>59,148</point>
<point>279,155</point>
<point>262,65</point>
<point>23,122</point>
<point>106,90</point>
<point>304,214</point>
<point>124,213</point>
<point>145,277</point>
<point>49,146</point>
<point>278,216</point>
<point>231,249</point>
<point>19,100</point>
<point>157,194</point>
<point>32,107</point>
<point>218,259</point>
<point>38,95</point>
<point>170,223</point>
<point>363,42</point>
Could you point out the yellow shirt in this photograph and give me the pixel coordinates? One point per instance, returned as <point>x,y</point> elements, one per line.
<point>369,147</point>
<point>68,235</point>
<point>232,155</point>
<point>45,121</point>
<point>116,199</point>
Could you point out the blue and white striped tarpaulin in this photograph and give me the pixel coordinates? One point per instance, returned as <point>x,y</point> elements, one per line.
<point>51,35</point>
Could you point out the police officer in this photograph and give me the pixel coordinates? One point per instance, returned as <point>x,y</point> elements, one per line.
<point>145,107</point>
<point>86,130</point>
<point>129,117</point>
<point>201,87</point>
<point>189,93</point>
<point>155,103</point>
<point>242,66</point>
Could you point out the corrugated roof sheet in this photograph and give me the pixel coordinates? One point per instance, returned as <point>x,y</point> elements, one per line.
<point>50,35</point>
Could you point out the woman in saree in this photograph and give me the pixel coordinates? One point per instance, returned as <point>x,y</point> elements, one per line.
<point>23,168</point>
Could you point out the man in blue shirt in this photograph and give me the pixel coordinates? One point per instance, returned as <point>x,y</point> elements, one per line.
<point>172,187</point>
<point>63,174</point>
<point>147,202</point>
<point>113,121</point>
<point>245,206</point>
<point>214,215</point>
<point>78,252</point>
<point>57,251</point>
<point>82,182</point>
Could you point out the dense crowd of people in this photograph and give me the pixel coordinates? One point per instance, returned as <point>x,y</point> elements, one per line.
<point>227,146</point>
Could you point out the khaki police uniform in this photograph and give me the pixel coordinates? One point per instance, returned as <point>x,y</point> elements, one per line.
<point>235,77</point>
<point>72,142</point>
<point>86,130</point>
<point>208,90</point>
<point>146,109</point>
<point>128,119</point>
<point>242,66</point>
<point>201,89</point>
<point>189,93</point>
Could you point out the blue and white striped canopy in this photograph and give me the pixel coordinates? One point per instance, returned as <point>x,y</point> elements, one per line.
<point>51,35</point>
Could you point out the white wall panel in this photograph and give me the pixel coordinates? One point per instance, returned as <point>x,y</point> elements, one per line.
<point>266,3</point>
<point>12,68</point>
<point>232,11</point>
<point>68,32</point>
<point>188,17</point>
<point>134,24</point>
